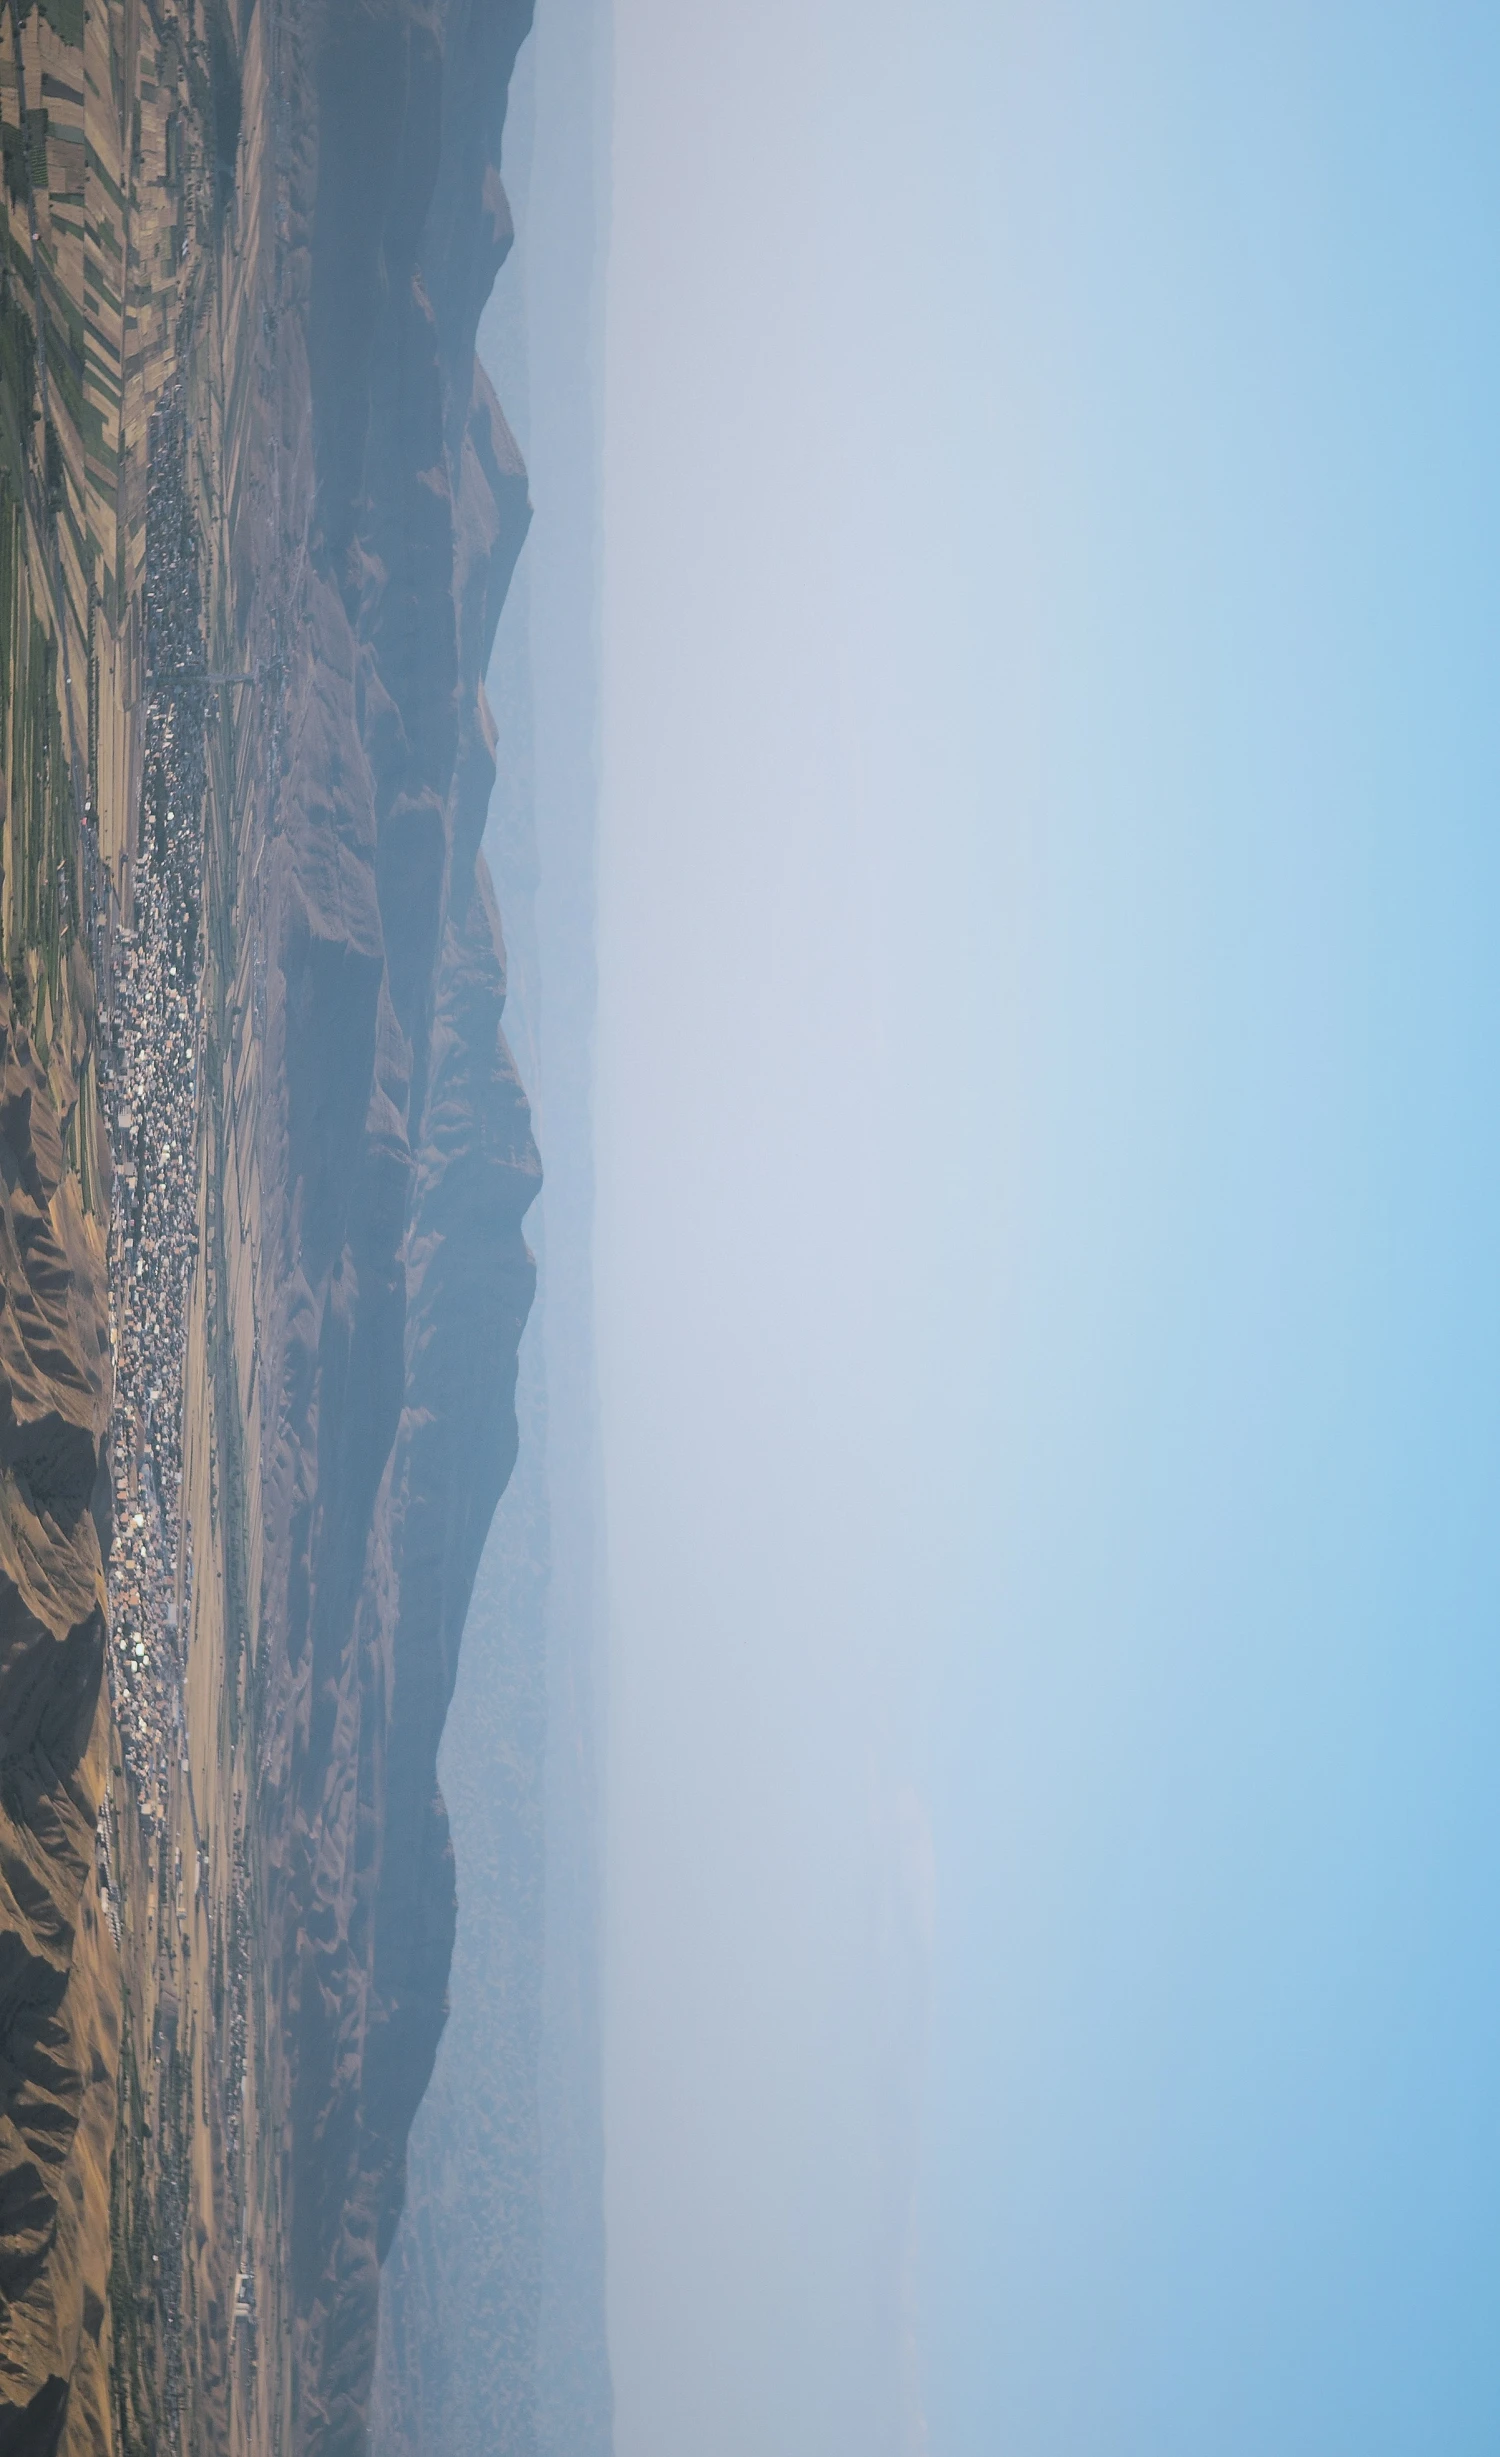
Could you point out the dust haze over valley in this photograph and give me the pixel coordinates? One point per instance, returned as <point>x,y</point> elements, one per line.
<point>309,1926</point>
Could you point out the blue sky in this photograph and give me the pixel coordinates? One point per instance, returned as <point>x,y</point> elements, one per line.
<point>1049,1209</point>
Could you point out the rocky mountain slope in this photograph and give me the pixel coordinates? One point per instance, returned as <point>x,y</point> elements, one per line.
<point>59,1981</point>
<point>493,2340</point>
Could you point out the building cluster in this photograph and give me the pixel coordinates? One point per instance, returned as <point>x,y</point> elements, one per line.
<point>148,963</point>
<point>152,1013</point>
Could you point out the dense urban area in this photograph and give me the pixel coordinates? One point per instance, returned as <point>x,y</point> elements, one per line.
<point>151,1023</point>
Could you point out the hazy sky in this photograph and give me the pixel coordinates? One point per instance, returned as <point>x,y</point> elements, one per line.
<point>1049,1244</point>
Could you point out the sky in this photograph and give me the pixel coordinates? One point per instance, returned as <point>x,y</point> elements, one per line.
<point>1048,1207</point>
